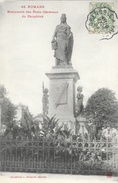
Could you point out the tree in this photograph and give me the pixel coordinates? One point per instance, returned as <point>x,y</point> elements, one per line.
<point>102,108</point>
<point>7,108</point>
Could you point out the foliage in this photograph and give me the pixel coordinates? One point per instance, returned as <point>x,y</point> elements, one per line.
<point>53,145</point>
<point>57,136</point>
<point>109,134</point>
<point>7,108</point>
<point>22,129</point>
<point>102,108</point>
<point>3,91</point>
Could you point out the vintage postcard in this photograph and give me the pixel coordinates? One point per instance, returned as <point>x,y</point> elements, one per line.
<point>59,91</point>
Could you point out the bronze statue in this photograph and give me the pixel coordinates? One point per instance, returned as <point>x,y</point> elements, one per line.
<point>80,97</point>
<point>45,101</point>
<point>62,43</point>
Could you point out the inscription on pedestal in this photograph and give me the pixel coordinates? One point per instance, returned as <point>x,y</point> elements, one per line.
<point>61,92</point>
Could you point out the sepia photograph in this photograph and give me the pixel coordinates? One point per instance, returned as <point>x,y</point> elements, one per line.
<point>59,91</point>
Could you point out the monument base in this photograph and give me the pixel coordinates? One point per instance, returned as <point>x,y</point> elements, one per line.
<point>62,93</point>
<point>70,124</point>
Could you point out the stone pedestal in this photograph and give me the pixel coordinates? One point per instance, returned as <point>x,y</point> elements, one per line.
<point>62,93</point>
<point>80,125</point>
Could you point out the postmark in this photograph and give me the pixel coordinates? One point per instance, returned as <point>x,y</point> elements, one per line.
<point>102,19</point>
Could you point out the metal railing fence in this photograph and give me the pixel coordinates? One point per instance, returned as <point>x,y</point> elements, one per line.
<point>47,156</point>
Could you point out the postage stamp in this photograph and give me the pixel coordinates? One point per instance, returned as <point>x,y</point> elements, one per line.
<point>101,18</point>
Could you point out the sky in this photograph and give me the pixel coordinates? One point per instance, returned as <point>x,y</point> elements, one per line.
<point>26,53</point>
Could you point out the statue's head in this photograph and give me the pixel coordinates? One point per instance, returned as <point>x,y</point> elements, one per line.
<point>79,89</point>
<point>63,18</point>
<point>45,90</point>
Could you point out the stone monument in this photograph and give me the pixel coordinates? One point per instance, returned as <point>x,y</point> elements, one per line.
<point>62,43</point>
<point>79,106</point>
<point>80,116</point>
<point>62,76</point>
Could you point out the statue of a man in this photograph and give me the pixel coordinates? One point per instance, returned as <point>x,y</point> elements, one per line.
<point>62,43</point>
